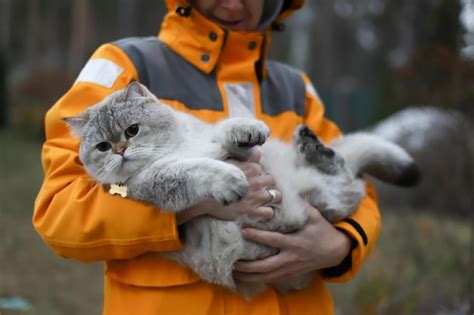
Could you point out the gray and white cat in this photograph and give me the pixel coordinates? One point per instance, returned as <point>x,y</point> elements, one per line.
<point>174,160</point>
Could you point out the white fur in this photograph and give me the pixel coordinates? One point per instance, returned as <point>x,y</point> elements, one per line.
<point>176,161</point>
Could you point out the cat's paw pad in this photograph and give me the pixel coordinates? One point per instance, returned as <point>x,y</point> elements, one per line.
<point>248,133</point>
<point>230,186</point>
<point>308,144</point>
<point>303,134</point>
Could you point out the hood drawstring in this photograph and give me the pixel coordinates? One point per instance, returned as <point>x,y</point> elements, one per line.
<point>278,26</point>
<point>271,10</point>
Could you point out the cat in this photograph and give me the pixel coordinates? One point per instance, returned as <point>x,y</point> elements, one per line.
<point>174,160</point>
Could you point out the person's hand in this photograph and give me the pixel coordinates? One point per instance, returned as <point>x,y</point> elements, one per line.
<point>254,204</point>
<point>316,246</point>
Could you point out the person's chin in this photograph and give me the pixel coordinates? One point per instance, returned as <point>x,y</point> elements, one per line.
<point>238,26</point>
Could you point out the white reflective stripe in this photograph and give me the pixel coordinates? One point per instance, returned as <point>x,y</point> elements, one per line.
<point>311,90</point>
<point>100,71</point>
<point>240,98</point>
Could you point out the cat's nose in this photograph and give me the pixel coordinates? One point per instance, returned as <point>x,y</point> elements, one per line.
<point>121,150</point>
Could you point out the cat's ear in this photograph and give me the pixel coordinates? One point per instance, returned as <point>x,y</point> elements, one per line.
<point>136,89</point>
<point>77,123</point>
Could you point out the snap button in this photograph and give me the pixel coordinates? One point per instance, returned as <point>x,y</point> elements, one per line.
<point>213,36</point>
<point>183,11</point>
<point>205,57</point>
<point>252,45</point>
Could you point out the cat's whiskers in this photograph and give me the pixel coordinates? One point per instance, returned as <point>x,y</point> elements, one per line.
<point>149,151</point>
<point>110,170</point>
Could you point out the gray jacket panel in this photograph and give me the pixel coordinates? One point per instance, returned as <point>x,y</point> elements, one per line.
<point>283,90</point>
<point>169,76</point>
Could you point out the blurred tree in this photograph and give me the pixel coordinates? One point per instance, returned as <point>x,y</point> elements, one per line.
<point>367,58</point>
<point>33,34</point>
<point>128,17</point>
<point>3,91</point>
<point>434,73</point>
<point>5,15</point>
<point>82,32</point>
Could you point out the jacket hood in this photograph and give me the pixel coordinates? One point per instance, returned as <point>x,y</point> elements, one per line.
<point>289,7</point>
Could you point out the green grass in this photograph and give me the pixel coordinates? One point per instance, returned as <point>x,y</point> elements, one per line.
<point>27,267</point>
<point>421,264</point>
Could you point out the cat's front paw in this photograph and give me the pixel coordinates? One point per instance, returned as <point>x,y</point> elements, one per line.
<point>229,186</point>
<point>246,133</point>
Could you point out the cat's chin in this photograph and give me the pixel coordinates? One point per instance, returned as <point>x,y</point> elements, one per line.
<point>124,175</point>
<point>115,180</point>
<point>108,179</point>
<point>120,174</point>
<point>130,168</point>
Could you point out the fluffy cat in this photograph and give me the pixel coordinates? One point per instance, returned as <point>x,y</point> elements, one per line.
<point>174,160</point>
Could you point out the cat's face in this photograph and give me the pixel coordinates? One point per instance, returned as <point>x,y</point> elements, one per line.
<point>124,133</point>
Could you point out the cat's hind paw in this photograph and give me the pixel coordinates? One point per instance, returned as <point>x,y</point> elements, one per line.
<point>309,145</point>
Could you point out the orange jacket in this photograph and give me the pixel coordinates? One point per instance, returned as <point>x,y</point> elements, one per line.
<point>78,219</point>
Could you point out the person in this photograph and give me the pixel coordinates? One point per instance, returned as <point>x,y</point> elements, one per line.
<point>208,60</point>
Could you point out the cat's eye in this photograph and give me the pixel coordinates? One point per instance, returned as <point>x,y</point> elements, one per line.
<point>103,146</point>
<point>131,131</point>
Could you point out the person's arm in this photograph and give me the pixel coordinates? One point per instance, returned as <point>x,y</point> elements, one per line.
<point>363,226</point>
<point>75,215</point>
<point>338,250</point>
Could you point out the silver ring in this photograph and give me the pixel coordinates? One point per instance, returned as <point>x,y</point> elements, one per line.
<point>272,194</point>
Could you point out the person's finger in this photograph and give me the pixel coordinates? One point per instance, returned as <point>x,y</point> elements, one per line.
<point>256,155</point>
<point>264,198</point>
<point>266,277</point>
<point>264,265</point>
<point>262,182</point>
<point>269,238</point>
<point>271,196</point>
<point>250,169</point>
<point>265,213</point>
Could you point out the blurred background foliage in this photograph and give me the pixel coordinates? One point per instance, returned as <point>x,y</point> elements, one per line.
<point>367,59</point>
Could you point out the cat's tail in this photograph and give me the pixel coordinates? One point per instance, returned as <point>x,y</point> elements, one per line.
<point>369,154</point>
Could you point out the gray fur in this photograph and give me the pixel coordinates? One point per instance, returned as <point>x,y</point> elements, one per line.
<point>176,160</point>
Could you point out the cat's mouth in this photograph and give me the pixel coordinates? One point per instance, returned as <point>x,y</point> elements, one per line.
<point>127,161</point>
<point>125,154</point>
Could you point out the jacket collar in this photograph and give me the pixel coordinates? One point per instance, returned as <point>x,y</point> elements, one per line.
<point>201,42</point>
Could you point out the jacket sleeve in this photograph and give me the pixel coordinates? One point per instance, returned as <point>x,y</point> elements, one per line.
<point>364,225</point>
<point>73,214</point>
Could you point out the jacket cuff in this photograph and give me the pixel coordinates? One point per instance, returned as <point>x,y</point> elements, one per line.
<point>363,228</point>
<point>344,266</point>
